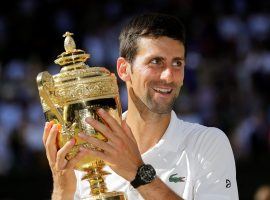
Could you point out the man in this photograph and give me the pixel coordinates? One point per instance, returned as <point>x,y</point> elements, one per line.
<point>190,161</point>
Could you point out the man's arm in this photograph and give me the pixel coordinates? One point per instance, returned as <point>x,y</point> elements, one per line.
<point>64,180</point>
<point>157,190</point>
<point>122,153</point>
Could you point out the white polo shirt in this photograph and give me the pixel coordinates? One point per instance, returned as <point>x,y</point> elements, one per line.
<point>195,161</point>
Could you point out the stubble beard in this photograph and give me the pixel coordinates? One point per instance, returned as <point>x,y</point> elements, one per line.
<point>158,107</point>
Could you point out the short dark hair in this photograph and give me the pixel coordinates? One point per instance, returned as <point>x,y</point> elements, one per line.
<point>149,25</point>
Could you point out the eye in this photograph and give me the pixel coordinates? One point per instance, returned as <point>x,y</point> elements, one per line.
<point>156,61</point>
<point>177,63</point>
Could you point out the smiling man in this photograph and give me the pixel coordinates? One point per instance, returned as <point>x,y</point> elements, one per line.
<point>157,72</point>
<point>152,154</point>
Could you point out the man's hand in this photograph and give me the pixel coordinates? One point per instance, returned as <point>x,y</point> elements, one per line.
<point>120,151</point>
<point>62,170</point>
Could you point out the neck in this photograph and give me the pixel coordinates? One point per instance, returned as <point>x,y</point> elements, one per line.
<point>146,126</point>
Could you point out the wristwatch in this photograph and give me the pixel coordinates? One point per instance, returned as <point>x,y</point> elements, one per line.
<point>145,174</point>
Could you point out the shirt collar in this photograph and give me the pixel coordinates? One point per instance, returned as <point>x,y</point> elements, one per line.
<point>170,140</point>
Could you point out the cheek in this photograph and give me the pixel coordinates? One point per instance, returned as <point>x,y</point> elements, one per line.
<point>179,76</point>
<point>144,75</point>
<point>144,71</point>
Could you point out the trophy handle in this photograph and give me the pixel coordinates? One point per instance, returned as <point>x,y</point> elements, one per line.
<point>45,84</point>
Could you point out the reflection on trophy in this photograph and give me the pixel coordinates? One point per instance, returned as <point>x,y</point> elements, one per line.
<point>74,94</point>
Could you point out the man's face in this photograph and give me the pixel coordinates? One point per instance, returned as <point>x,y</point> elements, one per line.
<point>157,73</point>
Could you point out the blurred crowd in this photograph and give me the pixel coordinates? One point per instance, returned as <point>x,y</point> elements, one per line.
<point>227,75</point>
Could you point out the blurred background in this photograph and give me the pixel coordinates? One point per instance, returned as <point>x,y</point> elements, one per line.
<point>227,80</point>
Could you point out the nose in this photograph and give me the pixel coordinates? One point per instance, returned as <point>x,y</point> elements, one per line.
<point>167,75</point>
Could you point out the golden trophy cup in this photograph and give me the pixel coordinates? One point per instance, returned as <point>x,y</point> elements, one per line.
<point>74,94</point>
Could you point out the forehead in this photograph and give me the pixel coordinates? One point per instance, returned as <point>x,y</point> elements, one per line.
<point>160,46</point>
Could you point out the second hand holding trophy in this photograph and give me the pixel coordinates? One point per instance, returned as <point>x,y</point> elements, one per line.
<point>74,94</point>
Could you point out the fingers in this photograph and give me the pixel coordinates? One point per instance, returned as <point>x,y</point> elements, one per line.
<point>56,157</point>
<point>106,131</point>
<point>72,162</point>
<point>95,154</point>
<point>61,161</point>
<point>47,128</point>
<point>112,123</point>
<point>45,133</point>
<point>50,144</point>
<point>112,130</point>
<point>96,142</point>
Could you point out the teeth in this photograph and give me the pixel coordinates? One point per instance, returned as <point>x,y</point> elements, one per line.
<point>163,90</point>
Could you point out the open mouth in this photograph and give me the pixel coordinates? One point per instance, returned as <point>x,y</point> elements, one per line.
<point>162,90</point>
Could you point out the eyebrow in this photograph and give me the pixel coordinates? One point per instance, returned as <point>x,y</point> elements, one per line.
<point>162,58</point>
<point>178,58</point>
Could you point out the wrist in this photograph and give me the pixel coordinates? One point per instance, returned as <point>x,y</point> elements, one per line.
<point>130,176</point>
<point>62,195</point>
<point>63,187</point>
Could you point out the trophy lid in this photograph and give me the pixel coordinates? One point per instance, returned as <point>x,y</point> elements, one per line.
<point>73,63</point>
<point>71,55</point>
<point>76,81</point>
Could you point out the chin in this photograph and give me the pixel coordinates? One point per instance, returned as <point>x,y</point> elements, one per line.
<point>163,110</point>
<point>160,106</point>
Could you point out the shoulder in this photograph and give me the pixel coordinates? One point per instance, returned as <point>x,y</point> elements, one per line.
<point>200,137</point>
<point>209,146</point>
<point>201,132</point>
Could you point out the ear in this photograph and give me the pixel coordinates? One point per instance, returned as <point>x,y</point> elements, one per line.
<point>123,69</point>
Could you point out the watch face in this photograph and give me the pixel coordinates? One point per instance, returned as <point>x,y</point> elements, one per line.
<point>147,173</point>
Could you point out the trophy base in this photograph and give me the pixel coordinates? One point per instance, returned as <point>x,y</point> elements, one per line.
<point>108,196</point>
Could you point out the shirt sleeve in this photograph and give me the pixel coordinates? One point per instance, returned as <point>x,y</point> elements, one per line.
<point>215,173</point>
<point>77,195</point>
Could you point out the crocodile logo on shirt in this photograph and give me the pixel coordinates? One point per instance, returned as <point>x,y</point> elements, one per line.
<point>173,178</point>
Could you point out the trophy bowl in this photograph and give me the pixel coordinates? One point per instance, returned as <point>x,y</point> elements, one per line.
<point>70,96</point>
